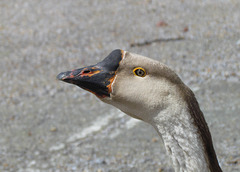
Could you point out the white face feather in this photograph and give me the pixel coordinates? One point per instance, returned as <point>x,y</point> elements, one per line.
<point>142,97</point>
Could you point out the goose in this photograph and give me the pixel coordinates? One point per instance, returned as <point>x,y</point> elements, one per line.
<point>150,91</point>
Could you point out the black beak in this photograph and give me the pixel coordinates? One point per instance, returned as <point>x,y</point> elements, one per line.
<point>96,78</point>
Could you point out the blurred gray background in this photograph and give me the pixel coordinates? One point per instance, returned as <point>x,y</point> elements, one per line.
<point>47,125</point>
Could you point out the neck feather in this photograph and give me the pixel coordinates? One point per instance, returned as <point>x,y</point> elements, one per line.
<point>186,135</point>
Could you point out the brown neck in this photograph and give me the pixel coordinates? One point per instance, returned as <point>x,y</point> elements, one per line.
<point>203,129</point>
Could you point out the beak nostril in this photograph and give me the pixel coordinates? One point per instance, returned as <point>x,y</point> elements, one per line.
<point>86,71</point>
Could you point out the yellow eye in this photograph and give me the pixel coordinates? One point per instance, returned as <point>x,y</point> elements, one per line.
<point>138,71</point>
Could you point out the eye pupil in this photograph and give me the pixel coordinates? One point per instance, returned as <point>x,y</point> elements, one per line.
<point>139,72</point>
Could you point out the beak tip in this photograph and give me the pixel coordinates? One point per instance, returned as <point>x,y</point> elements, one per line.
<point>61,76</point>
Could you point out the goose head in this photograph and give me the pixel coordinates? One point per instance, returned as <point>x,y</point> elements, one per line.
<point>137,85</point>
<point>150,91</point>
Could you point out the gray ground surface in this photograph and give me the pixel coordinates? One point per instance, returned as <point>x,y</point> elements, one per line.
<point>47,125</point>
